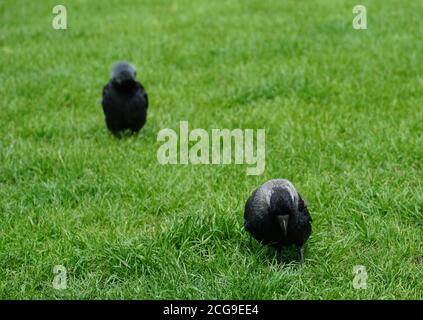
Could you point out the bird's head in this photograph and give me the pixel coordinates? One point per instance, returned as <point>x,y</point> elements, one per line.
<point>123,72</point>
<point>285,206</point>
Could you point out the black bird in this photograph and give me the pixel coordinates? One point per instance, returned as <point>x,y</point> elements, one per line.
<point>125,101</point>
<point>276,215</point>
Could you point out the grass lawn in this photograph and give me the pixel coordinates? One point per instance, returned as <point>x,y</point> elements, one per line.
<point>343,113</point>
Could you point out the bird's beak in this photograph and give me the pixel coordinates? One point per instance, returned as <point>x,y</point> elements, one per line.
<point>123,76</point>
<point>283,222</point>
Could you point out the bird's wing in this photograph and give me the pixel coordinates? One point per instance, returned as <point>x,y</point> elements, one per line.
<point>146,99</point>
<point>308,215</point>
<point>104,100</point>
<point>106,89</point>
<point>248,207</point>
<point>302,206</point>
<point>143,93</point>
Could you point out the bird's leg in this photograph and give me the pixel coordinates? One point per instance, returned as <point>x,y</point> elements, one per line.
<point>279,254</point>
<point>117,134</point>
<point>300,250</point>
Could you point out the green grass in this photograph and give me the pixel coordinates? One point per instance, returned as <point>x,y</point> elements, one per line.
<point>343,116</point>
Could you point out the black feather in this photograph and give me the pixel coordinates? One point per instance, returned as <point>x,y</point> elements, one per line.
<point>125,103</point>
<point>277,198</point>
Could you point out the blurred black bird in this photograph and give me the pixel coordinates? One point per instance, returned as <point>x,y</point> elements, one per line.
<point>276,215</point>
<point>125,101</point>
